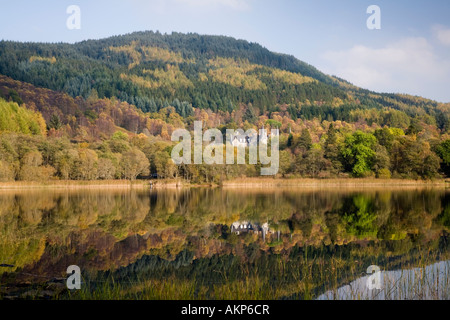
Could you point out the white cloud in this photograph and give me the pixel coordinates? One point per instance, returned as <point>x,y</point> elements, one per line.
<point>233,4</point>
<point>407,66</point>
<point>442,34</point>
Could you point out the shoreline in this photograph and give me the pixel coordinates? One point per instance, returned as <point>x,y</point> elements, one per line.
<point>73,184</point>
<point>328,183</point>
<point>230,184</point>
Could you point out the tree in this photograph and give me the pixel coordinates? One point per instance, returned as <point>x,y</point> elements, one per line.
<point>86,164</point>
<point>414,128</point>
<point>273,123</point>
<point>413,158</point>
<point>105,169</point>
<point>285,162</point>
<point>14,96</point>
<point>305,141</point>
<point>313,163</point>
<point>381,161</point>
<point>160,160</point>
<point>431,166</point>
<point>358,153</point>
<point>134,163</point>
<point>249,115</point>
<point>32,169</point>
<point>443,150</point>
<point>290,140</point>
<point>165,167</point>
<point>119,142</point>
<point>65,163</point>
<point>55,122</point>
<point>32,159</point>
<point>6,171</point>
<point>19,119</point>
<point>331,150</point>
<point>385,137</point>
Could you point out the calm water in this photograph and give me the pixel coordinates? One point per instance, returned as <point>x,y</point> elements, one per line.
<point>225,244</point>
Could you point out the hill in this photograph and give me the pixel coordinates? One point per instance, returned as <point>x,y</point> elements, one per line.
<point>113,97</point>
<point>151,70</point>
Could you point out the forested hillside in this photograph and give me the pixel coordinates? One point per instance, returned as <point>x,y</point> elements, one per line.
<point>150,70</point>
<point>86,107</point>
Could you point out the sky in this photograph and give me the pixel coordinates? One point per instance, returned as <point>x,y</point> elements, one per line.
<point>409,54</point>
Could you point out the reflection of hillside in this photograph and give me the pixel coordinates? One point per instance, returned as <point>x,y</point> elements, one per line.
<point>294,274</point>
<point>43,232</point>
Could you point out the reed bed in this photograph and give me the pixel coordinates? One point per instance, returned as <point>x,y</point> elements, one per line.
<point>347,182</point>
<point>422,281</point>
<point>72,184</point>
<point>235,183</point>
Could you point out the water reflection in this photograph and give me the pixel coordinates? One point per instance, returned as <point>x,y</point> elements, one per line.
<point>240,227</point>
<point>287,243</point>
<point>428,283</point>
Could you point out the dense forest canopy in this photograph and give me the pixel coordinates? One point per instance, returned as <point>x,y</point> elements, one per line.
<point>150,69</point>
<point>119,98</point>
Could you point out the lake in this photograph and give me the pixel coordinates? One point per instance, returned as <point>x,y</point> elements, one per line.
<point>214,243</point>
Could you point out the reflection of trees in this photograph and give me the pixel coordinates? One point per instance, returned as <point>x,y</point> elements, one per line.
<point>102,227</point>
<point>359,216</point>
<point>444,217</point>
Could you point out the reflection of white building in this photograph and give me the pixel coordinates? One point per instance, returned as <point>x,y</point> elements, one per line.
<point>240,227</point>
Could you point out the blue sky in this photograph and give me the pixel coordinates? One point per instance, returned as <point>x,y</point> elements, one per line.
<point>410,54</point>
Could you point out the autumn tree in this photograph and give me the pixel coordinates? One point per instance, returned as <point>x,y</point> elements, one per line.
<point>106,169</point>
<point>65,163</point>
<point>134,163</point>
<point>119,142</point>
<point>285,162</point>
<point>86,164</point>
<point>32,168</point>
<point>6,171</point>
<point>381,162</point>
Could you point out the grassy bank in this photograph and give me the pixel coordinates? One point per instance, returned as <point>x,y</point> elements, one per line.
<point>236,183</point>
<point>324,183</point>
<point>71,184</point>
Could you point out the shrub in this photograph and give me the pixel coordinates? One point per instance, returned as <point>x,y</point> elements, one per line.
<point>6,172</point>
<point>384,174</point>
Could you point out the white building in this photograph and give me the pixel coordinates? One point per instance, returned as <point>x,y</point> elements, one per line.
<point>242,140</point>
